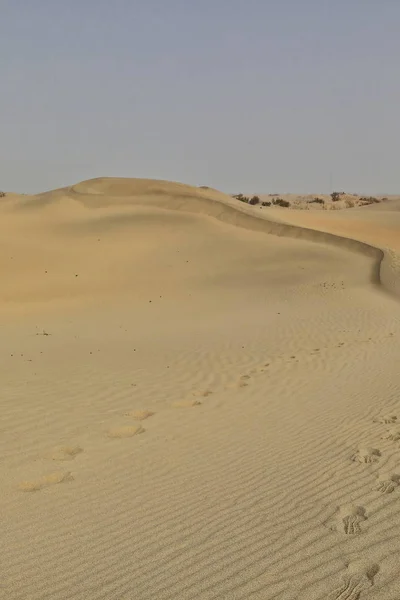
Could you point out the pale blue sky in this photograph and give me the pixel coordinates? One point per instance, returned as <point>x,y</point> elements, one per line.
<point>241,95</point>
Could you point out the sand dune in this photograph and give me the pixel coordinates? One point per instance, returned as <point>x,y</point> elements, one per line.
<point>256,354</point>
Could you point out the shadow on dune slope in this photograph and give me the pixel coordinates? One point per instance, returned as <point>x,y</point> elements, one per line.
<point>103,192</point>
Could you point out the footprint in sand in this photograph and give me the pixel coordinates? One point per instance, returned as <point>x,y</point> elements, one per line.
<point>393,434</point>
<point>45,481</point>
<point>140,415</point>
<point>349,518</point>
<point>386,419</point>
<point>185,403</point>
<point>358,579</point>
<point>366,455</point>
<point>237,385</point>
<point>202,393</point>
<point>241,383</point>
<point>387,482</point>
<point>64,453</point>
<point>125,432</point>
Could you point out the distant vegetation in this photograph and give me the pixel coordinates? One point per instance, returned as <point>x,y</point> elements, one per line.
<point>350,203</point>
<point>253,200</point>
<point>241,198</point>
<point>256,200</point>
<point>281,202</point>
<point>2,194</point>
<point>276,200</point>
<point>369,200</point>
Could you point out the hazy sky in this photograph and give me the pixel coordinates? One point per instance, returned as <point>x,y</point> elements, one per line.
<point>241,95</point>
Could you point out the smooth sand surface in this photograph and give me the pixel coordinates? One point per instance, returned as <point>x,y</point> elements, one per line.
<point>199,401</point>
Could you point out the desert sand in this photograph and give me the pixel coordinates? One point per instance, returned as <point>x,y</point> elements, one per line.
<point>199,399</point>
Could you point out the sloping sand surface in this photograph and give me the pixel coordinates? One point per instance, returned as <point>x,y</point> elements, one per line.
<point>199,401</point>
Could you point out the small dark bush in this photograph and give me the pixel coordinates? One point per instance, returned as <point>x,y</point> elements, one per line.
<point>254,200</point>
<point>241,198</point>
<point>265,203</point>
<point>317,201</point>
<point>2,194</point>
<point>335,196</point>
<point>281,202</point>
